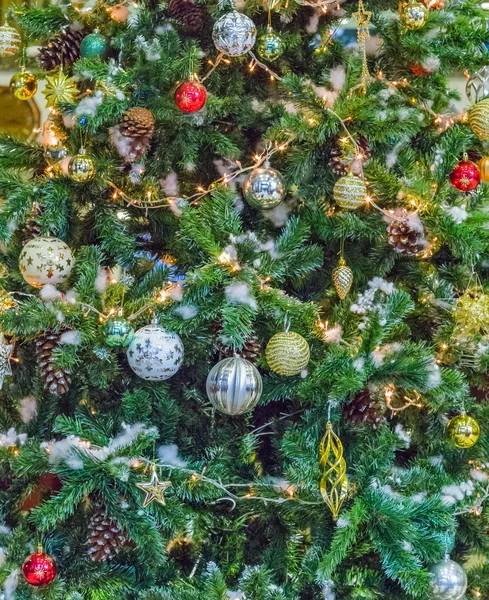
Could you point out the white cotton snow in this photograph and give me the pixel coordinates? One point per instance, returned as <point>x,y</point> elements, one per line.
<point>186,312</point>
<point>49,292</point>
<point>28,408</point>
<point>333,335</point>
<point>10,585</point>
<point>342,522</point>
<point>11,438</point>
<point>239,292</point>
<point>88,105</point>
<point>458,213</point>
<point>328,590</point>
<point>337,77</point>
<point>170,184</point>
<point>70,338</point>
<point>3,556</point>
<point>479,475</point>
<point>168,453</point>
<point>101,281</point>
<point>402,434</point>
<point>379,354</point>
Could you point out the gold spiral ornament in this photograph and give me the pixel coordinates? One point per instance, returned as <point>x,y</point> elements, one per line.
<point>342,278</point>
<point>287,353</point>
<point>334,483</point>
<point>479,119</point>
<point>350,192</point>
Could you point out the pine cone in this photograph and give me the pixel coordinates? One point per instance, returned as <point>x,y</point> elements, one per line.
<point>191,15</point>
<point>419,70</point>
<point>32,228</point>
<point>105,539</point>
<point>342,153</point>
<point>62,50</point>
<point>138,122</point>
<point>56,380</point>
<point>364,409</point>
<point>404,238</point>
<point>251,350</point>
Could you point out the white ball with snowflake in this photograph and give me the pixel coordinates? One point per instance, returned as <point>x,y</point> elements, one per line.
<point>155,353</point>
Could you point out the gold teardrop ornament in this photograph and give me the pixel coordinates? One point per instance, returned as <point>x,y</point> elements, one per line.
<point>342,278</point>
<point>334,483</point>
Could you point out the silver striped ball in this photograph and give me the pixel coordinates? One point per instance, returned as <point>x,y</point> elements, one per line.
<point>234,386</point>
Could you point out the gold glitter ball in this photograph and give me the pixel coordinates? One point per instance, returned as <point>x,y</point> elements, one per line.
<point>287,353</point>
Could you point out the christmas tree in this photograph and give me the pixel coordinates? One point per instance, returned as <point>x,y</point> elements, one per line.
<point>244,304</point>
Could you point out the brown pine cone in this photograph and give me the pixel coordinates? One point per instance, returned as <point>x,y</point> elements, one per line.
<point>63,50</point>
<point>251,350</point>
<point>138,122</point>
<point>365,410</point>
<point>32,228</point>
<point>343,152</point>
<point>105,539</point>
<point>404,238</point>
<point>55,379</point>
<point>191,15</point>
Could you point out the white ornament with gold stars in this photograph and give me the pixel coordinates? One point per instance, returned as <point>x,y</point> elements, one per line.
<point>154,489</point>
<point>45,260</point>
<point>5,355</point>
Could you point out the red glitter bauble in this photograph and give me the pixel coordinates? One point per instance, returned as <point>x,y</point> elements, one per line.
<point>466,176</point>
<point>39,569</point>
<point>190,96</point>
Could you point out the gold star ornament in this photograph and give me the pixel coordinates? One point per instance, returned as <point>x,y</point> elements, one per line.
<point>154,489</point>
<point>59,88</point>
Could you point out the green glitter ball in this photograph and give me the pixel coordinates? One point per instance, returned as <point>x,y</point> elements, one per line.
<point>117,331</point>
<point>93,45</point>
<point>270,45</point>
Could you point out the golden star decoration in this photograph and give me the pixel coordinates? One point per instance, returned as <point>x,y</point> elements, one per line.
<point>154,489</point>
<point>59,88</point>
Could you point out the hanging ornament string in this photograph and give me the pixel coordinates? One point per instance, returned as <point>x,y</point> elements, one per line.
<point>362,19</point>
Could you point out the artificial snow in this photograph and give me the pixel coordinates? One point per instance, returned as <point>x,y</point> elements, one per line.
<point>168,454</point>
<point>28,408</point>
<point>239,292</point>
<point>186,312</point>
<point>70,338</point>
<point>10,585</point>
<point>170,184</point>
<point>11,438</point>
<point>88,105</point>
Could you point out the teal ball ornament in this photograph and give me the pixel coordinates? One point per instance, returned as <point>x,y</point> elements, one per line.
<point>93,45</point>
<point>117,331</point>
<point>270,45</point>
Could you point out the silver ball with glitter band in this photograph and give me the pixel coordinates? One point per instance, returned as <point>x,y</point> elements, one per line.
<point>234,34</point>
<point>155,353</point>
<point>45,260</point>
<point>5,354</point>
<point>234,385</point>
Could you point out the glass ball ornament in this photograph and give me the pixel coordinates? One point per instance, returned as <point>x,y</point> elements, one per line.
<point>117,331</point>
<point>264,188</point>
<point>466,176</point>
<point>93,45</point>
<point>23,85</point>
<point>479,119</point>
<point>234,33</point>
<point>45,260</point>
<point>350,192</point>
<point>477,86</point>
<point>287,353</point>
<point>270,45</point>
<point>414,14</point>
<point>155,354</point>
<point>190,96</point>
<point>234,385</point>
<point>82,167</point>
<point>10,41</point>
<point>483,165</point>
<point>39,569</point>
<point>448,580</point>
<point>463,431</point>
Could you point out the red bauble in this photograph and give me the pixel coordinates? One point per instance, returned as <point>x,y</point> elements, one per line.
<point>39,569</point>
<point>190,96</point>
<point>466,176</point>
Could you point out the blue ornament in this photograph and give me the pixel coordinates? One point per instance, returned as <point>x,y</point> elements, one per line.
<point>83,121</point>
<point>93,45</point>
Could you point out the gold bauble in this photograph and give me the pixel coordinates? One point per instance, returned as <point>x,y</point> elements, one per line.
<point>23,85</point>
<point>350,192</point>
<point>342,278</point>
<point>484,169</point>
<point>334,483</point>
<point>463,431</point>
<point>287,353</point>
<point>479,119</point>
<point>82,167</point>
<point>471,314</point>
<point>414,14</point>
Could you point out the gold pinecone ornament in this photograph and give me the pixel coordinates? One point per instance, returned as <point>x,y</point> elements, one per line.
<point>138,124</point>
<point>105,539</point>
<point>55,379</point>
<point>342,278</point>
